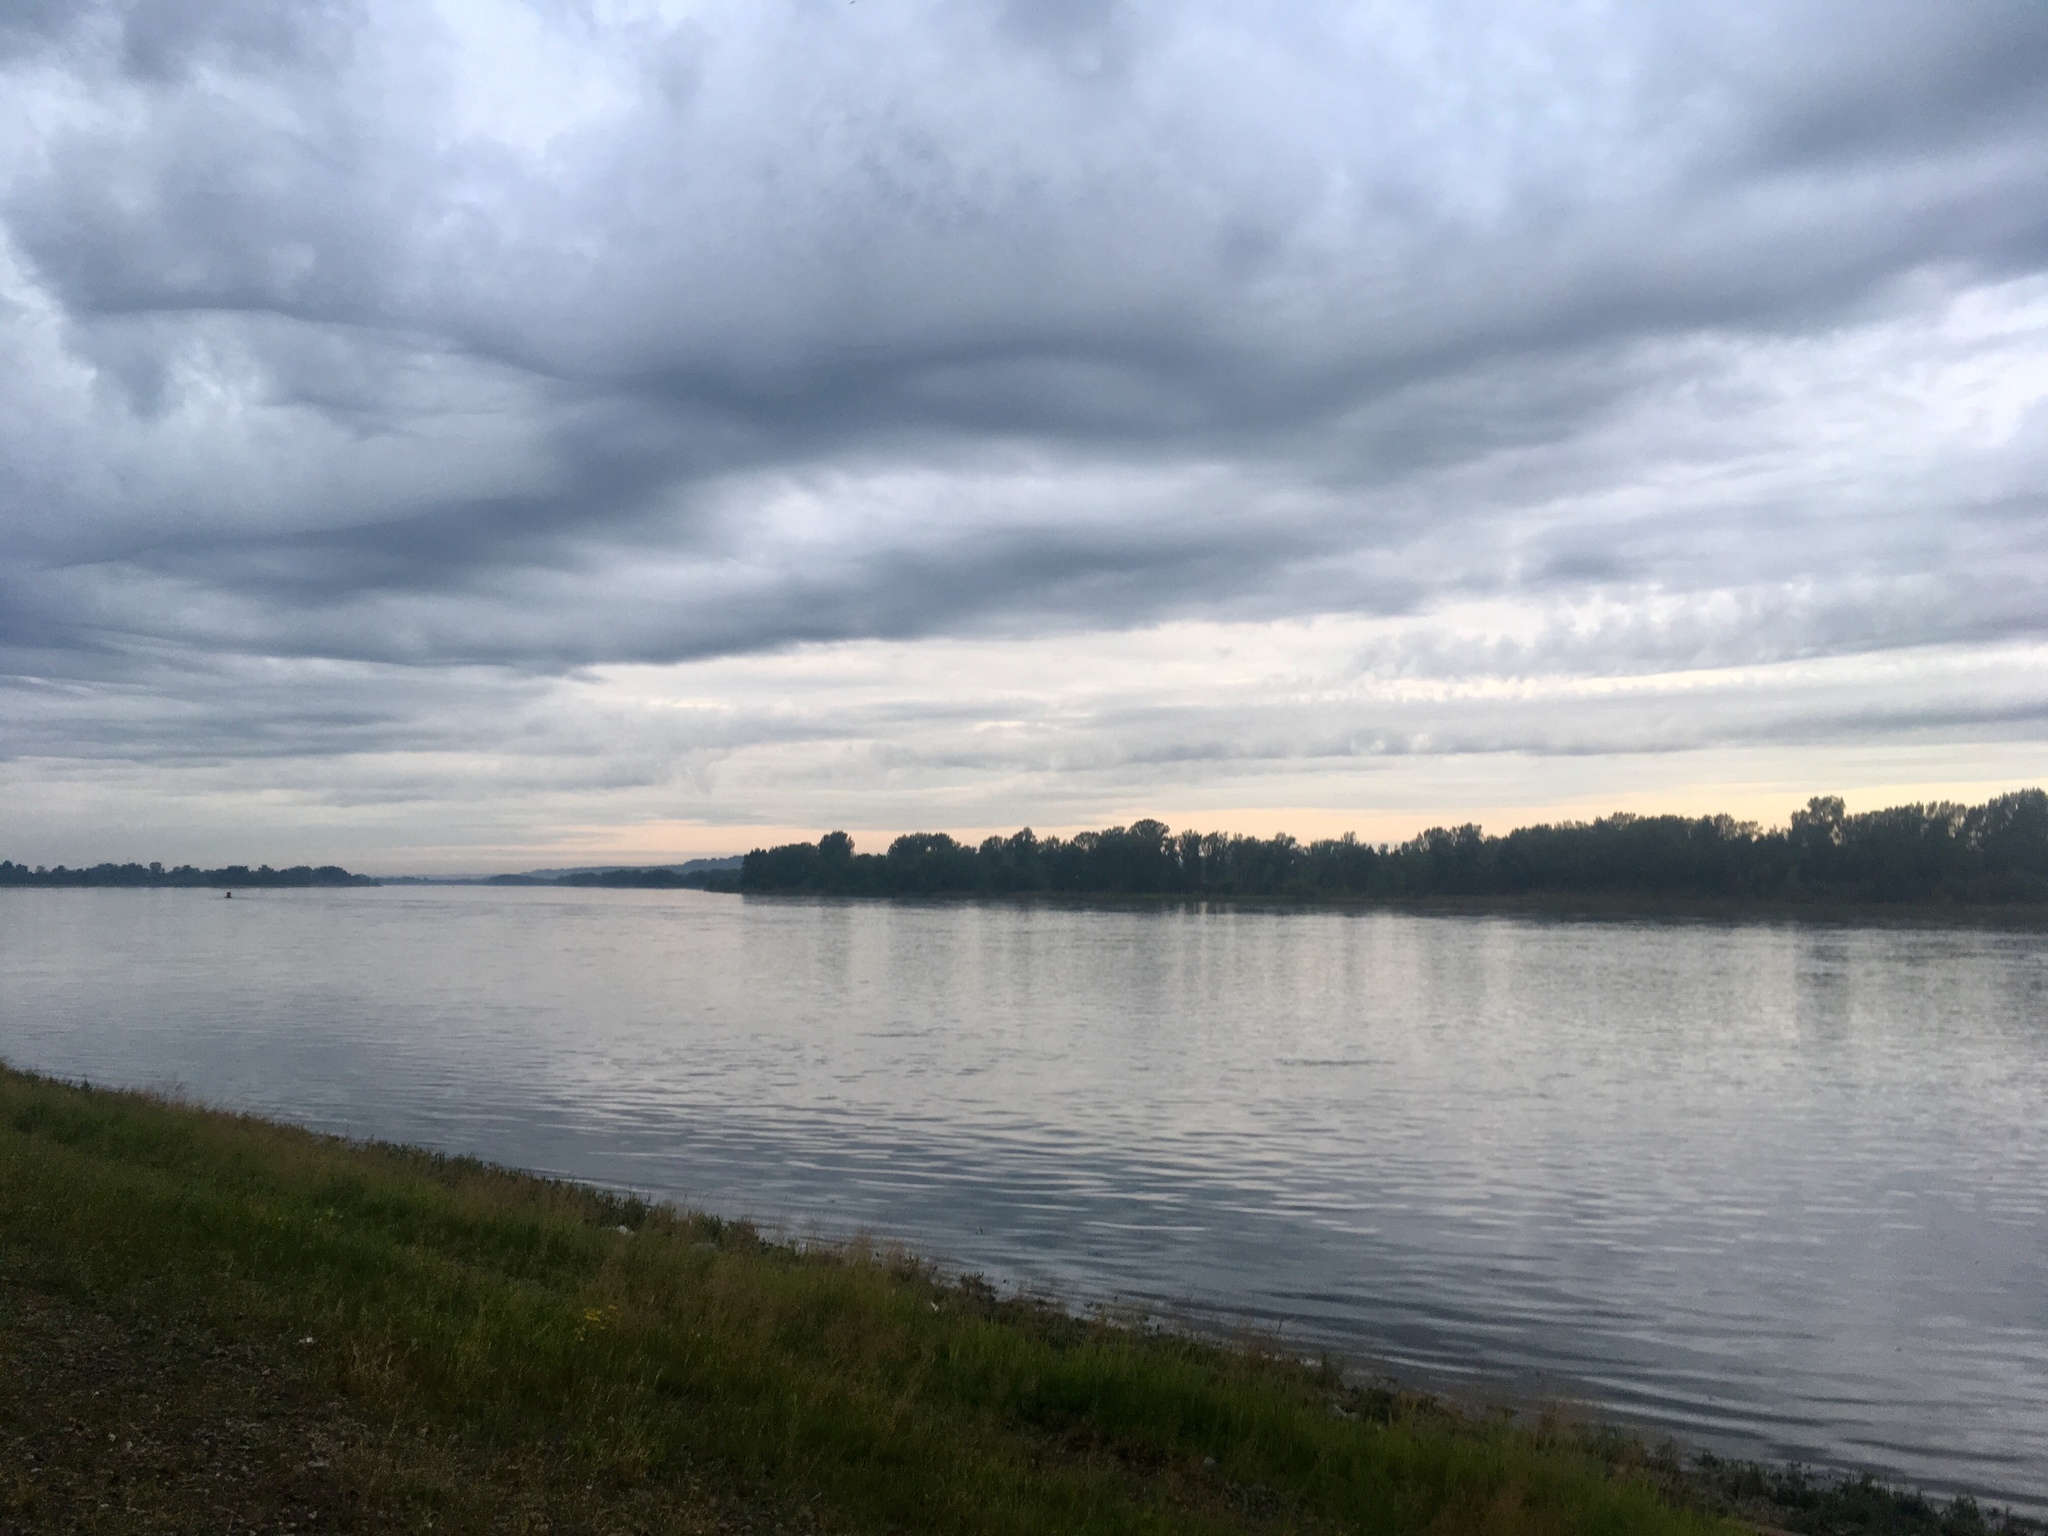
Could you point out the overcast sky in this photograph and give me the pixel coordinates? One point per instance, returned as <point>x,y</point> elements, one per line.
<point>462,437</point>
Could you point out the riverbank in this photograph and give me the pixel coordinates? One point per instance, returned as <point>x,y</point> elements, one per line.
<point>211,1322</point>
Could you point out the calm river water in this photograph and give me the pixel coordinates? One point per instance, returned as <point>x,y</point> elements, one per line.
<point>1779,1189</point>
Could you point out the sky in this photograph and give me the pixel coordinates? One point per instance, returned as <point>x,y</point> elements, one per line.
<point>466,436</point>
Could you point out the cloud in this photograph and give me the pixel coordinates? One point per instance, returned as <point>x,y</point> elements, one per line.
<point>421,359</point>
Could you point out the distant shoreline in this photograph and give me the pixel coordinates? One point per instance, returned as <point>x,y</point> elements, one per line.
<point>183,877</point>
<point>1936,860</point>
<point>691,875</point>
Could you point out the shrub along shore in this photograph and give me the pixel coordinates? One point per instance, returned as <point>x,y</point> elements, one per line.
<point>213,1322</point>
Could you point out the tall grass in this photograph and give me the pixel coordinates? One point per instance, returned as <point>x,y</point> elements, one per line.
<point>647,1343</point>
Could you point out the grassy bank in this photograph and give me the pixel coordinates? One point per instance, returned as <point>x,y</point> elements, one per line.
<point>210,1322</point>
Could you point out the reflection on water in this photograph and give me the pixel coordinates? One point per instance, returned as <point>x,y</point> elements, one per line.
<point>1780,1189</point>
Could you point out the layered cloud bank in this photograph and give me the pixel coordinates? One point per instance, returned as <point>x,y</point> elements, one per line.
<point>443,434</point>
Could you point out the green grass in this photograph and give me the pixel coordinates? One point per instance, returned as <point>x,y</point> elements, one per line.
<point>859,1386</point>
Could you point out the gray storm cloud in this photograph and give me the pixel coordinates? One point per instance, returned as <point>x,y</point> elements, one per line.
<point>371,373</point>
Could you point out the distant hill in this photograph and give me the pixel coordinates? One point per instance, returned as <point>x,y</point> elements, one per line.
<point>687,867</point>
<point>691,874</point>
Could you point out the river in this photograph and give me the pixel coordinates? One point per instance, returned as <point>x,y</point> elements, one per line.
<point>1778,1189</point>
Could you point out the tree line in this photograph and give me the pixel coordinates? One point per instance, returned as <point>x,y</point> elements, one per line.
<point>1996,852</point>
<point>230,876</point>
